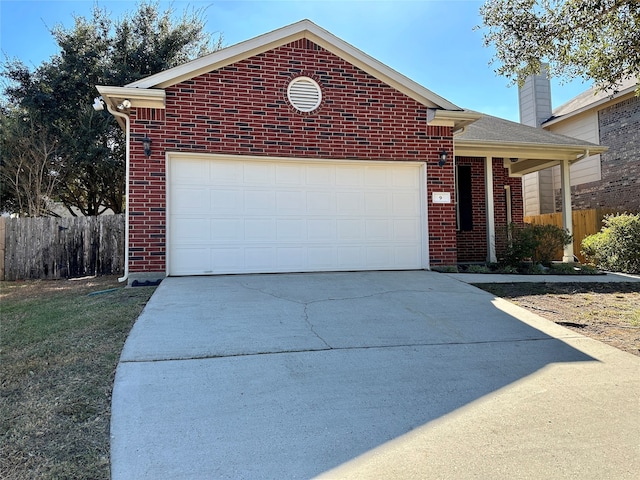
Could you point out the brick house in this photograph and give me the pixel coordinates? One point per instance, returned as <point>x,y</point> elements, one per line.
<point>296,152</point>
<point>610,179</point>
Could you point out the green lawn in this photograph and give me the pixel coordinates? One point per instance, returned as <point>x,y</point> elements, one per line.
<point>59,349</point>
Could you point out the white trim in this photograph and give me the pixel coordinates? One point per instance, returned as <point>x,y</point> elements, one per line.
<point>491,221</point>
<point>424,217</point>
<point>282,36</point>
<point>172,155</point>
<point>567,215</point>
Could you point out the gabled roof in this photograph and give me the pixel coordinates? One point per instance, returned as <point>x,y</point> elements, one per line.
<point>524,148</point>
<point>442,112</point>
<point>591,98</point>
<point>304,29</point>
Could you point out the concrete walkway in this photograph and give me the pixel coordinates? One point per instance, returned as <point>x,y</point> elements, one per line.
<point>365,375</point>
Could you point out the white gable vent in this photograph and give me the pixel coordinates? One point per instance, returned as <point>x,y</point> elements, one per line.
<point>304,94</point>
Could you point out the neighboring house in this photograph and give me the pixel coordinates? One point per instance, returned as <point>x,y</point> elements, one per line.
<point>296,152</point>
<point>610,179</point>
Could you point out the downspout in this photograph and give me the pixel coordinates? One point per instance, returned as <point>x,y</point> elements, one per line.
<point>126,206</point>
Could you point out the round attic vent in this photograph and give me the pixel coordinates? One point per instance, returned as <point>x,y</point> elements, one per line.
<point>304,94</point>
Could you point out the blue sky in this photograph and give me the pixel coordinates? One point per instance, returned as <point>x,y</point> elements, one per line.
<point>429,41</point>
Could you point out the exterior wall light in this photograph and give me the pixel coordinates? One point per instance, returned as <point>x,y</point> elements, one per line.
<point>443,157</point>
<point>146,143</point>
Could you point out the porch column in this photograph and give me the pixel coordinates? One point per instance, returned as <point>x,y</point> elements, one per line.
<point>491,223</point>
<point>567,215</point>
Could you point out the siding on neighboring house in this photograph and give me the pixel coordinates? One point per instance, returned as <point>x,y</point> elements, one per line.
<point>242,109</point>
<point>608,180</point>
<point>619,185</point>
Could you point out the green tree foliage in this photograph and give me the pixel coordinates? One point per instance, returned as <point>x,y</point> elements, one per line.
<point>596,39</point>
<point>58,94</point>
<point>617,246</point>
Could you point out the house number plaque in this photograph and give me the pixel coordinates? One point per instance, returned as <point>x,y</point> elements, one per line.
<point>441,197</point>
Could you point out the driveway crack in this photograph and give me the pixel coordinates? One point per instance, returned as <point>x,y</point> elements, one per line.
<point>312,328</point>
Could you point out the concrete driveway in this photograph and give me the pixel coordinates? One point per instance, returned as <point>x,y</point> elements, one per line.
<point>365,375</point>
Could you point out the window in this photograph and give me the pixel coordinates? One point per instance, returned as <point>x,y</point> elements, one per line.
<point>304,94</point>
<point>465,200</point>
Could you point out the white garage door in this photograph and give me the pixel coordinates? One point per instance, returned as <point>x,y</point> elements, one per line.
<point>247,215</point>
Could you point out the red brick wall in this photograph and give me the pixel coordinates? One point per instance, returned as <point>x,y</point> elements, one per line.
<point>500,179</point>
<point>242,109</point>
<point>472,245</point>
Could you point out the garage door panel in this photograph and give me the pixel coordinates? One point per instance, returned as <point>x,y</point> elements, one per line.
<point>378,203</point>
<point>292,202</point>
<point>349,176</point>
<point>189,230</point>
<point>379,256</point>
<point>225,260</point>
<point>350,203</point>
<point>226,229</point>
<point>191,260</point>
<point>321,257</point>
<point>227,201</point>
<point>291,229</point>
<point>259,201</point>
<point>376,177</point>
<point>405,230</point>
<point>320,175</point>
<point>190,200</point>
<point>378,229</point>
<point>258,229</point>
<point>404,178</point>
<point>350,230</point>
<point>290,174</point>
<point>405,204</point>
<point>225,173</point>
<point>291,258</point>
<point>259,173</point>
<point>187,170</point>
<point>232,215</point>
<point>321,229</point>
<point>260,259</point>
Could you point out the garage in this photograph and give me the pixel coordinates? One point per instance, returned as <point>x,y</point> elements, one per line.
<point>240,214</point>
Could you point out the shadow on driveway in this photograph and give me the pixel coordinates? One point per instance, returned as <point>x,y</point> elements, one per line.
<point>296,375</point>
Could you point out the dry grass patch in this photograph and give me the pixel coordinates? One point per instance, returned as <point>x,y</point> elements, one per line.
<point>608,312</point>
<point>59,350</point>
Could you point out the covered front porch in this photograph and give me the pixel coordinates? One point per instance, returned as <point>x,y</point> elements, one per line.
<point>501,152</point>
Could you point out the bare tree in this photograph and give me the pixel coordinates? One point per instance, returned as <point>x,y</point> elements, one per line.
<point>29,166</point>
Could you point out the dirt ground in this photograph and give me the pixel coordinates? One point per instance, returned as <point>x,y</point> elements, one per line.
<point>608,312</point>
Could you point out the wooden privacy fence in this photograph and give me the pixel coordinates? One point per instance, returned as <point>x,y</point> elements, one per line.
<point>585,223</point>
<point>50,248</point>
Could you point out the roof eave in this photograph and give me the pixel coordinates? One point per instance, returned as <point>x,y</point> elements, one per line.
<point>622,95</point>
<point>523,158</point>
<point>458,119</point>
<point>303,29</point>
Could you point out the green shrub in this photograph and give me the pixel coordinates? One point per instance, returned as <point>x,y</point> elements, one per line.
<point>537,243</point>
<point>617,246</point>
<point>478,269</point>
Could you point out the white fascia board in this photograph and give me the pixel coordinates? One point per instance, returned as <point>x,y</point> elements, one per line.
<point>148,98</point>
<point>451,118</point>
<point>529,151</point>
<point>303,29</point>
